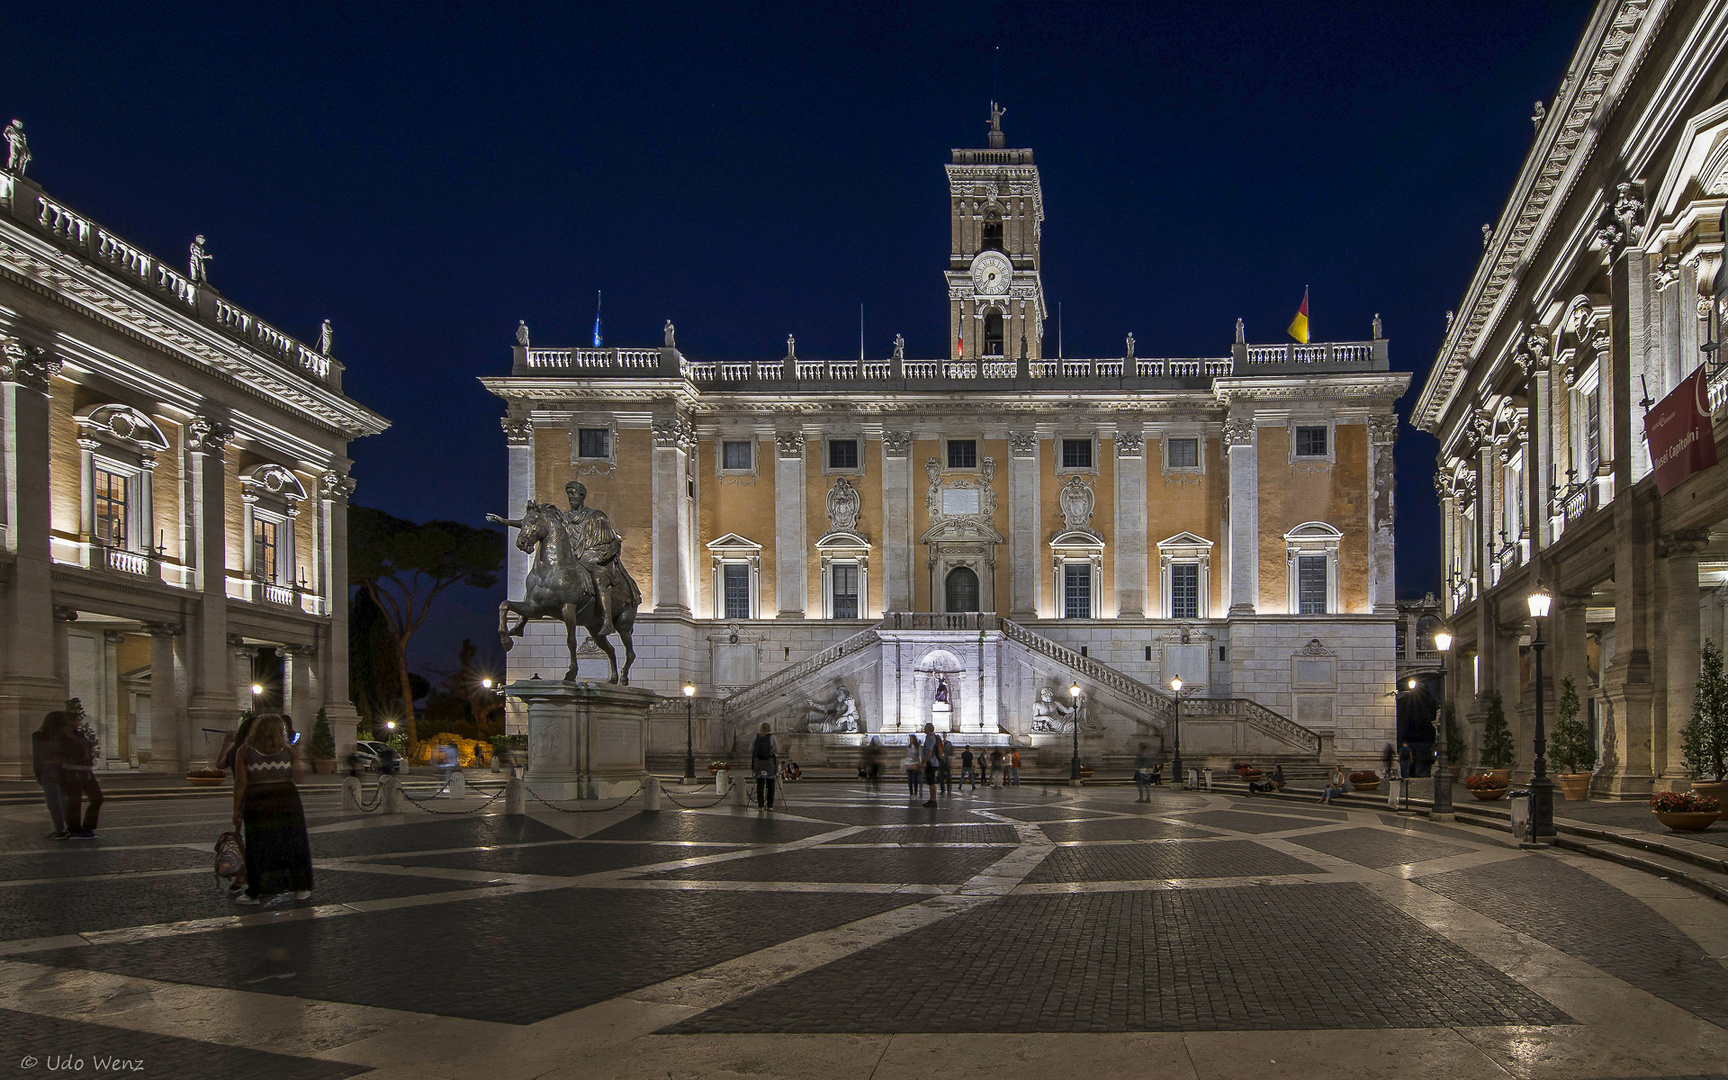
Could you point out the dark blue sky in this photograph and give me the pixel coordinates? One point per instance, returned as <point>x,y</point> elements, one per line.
<point>425,177</point>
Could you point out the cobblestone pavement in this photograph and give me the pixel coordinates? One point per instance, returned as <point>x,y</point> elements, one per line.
<point>840,934</point>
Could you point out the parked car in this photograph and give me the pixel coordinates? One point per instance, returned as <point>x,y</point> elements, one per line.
<point>370,756</point>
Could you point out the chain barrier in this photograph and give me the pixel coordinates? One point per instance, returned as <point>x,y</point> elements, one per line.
<point>582,810</point>
<point>690,806</point>
<point>453,813</point>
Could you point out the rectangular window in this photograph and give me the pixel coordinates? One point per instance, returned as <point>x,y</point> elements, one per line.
<point>264,550</point>
<point>1184,453</point>
<point>110,523</point>
<point>736,455</point>
<point>1076,453</point>
<point>1311,441</point>
<point>1077,590</point>
<point>845,578</point>
<point>1593,431</point>
<point>593,442</point>
<point>843,453</point>
<point>1185,590</point>
<point>735,579</point>
<point>962,454</point>
<point>1311,584</point>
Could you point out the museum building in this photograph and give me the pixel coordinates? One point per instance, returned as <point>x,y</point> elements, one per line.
<point>173,531</point>
<point>969,539</point>
<point>1599,296</point>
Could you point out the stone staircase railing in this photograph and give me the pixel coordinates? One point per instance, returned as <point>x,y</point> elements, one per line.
<point>1256,716</point>
<point>1157,704</point>
<point>756,693</point>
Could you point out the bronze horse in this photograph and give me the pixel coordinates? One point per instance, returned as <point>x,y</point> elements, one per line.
<point>562,587</point>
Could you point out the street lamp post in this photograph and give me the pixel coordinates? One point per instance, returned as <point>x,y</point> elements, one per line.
<point>1176,734</point>
<point>1442,808</point>
<point>1074,716</point>
<point>1541,787</point>
<point>689,735</point>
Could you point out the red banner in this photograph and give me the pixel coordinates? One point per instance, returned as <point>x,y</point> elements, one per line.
<point>1678,433</point>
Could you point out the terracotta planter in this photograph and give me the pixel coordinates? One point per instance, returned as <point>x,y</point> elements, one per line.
<point>1375,786</point>
<point>1575,785</point>
<point>1689,820</point>
<point>1488,794</point>
<point>205,781</point>
<point>323,765</point>
<point>1716,789</point>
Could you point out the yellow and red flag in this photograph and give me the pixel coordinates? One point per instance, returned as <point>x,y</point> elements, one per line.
<point>1299,325</point>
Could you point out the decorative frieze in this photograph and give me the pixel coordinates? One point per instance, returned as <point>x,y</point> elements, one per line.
<point>1129,444</point>
<point>674,433</point>
<point>789,445</point>
<point>1382,429</point>
<point>27,365</point>
<point>896,444</point>
<point>517,430</point>
<point>336,486</point>
<point>205,436</point>
<point>1239,431</point>
<point>1023,444</point>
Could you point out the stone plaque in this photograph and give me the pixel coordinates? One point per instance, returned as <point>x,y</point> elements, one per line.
<point>1314,711</point>
<point>1192,662</point>
<point>1314,672</point>
<point>734,665</point>
<point>959,502</point>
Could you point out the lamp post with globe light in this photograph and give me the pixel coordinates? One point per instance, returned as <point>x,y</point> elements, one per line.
<point>1442,808</point>
<point>1176,733</point>
<point>1541,786</point>
<point>689,735</point>
<point>1074,717</point>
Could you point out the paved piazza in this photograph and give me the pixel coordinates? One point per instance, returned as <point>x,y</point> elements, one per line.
<point>1023,932</point>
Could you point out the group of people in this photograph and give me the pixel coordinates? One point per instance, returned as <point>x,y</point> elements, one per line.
<point>63,757</point>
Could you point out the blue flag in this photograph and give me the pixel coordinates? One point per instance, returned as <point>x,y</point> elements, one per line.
<point>597,337</point>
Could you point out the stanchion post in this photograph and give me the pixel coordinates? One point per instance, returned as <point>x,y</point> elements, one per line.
<point>350,793</point>
<point>515,796</point>
<point>651,792</point>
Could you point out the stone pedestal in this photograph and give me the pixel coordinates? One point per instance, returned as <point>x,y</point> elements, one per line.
<point>586,740</point>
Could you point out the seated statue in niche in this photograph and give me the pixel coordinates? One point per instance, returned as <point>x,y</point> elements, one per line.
<point>1050,715</point>
<point>837,717</point>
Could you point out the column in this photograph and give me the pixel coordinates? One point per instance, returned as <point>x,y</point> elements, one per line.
<point>1446,489</point>
<point>672,436</point>
<point>1382,510</point>
<point>87,492</point>
<point>1025,551</point>
<point>147,509</point>
<point>29,687</point>
<point>106,709</point>
<point>1570,650</point>
<point>1130,527</point>
<point>1487,516</point>
<point>1244,515</point>
<point>1682,638</point>
<point>1539,456</point>
<point>211,702</point>
<point>791,584</point>
<point>245,671</point>
<point>334,490</point>
<point>173,742</point>
<point>297,686</point>
<point>896,521</point>
<point>519,444</point>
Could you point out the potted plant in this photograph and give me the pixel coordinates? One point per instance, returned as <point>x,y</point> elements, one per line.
<point>1704,741</point>
<point>1685,811</point>
<point>1486,786</point>
<point>1498,752</point>
<point>323,750</point>
<point>1365,781</point>
<point>1571,747</point>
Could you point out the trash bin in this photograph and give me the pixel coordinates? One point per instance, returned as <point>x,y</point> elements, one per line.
<point>1397,793</point>
<point>1520,801</point>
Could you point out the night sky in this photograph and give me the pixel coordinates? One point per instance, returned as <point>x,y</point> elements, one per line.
<point>425,177</point>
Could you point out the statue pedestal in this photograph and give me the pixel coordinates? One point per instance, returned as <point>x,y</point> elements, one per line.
<point>586,740</point>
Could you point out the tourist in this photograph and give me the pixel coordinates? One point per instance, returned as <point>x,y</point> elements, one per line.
<point>1334,786</point>
<point>267,805</point>
<point>996,768</point>
<point>967,776</point>
<point>945,772</point>
<point>1013,760</point>
<point>873,763</point>
<point>764,766</point>
<point>932,760</point>
<point>1143,773</point>
<point>1157,774</point>
<point>1406,761</point>
<point>914,767</point>
<point>1277,778</point>
<point>78,779</point>
<point>47,754</point>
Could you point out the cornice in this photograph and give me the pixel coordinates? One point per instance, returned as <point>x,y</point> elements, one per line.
<point>70,281</point>
<point>1385,387</point>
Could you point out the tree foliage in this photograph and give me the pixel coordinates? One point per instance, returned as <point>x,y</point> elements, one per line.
<point>1704,741</point>
<point>1498,750</point>
<point>1571,746</point>
<point>404,566</point>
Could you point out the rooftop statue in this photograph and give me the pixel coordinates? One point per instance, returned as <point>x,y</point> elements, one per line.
<point>326,338</point>
<point>899,347</point>
<point>997,112</point>
<point>17,148</point>
<point>522,332</point>
<point>671,333</point>
<point>196,268</point>
<point>576,578</point>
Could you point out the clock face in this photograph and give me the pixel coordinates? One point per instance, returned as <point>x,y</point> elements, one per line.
<point>992,273</point>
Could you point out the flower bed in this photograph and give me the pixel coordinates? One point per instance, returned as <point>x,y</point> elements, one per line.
<point>1484,782</point>
<point>1683,802</point>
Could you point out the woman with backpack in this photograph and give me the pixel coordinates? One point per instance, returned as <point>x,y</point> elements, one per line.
<point>763,766</point>
<point>267,806</point>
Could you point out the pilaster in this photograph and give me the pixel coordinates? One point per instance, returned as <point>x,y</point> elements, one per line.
<point>896,521</point>
<point>1130,526</point>
<point>1681,640</point>
<point>1382,512</point>
<point>334,489</point>
<point>1024,554</point>
<point>1240,443</point>
<point>519,446</point>
<point>791,583</point>
<point>673,438</point>
<point>171,731</point>
<point>212,697</point>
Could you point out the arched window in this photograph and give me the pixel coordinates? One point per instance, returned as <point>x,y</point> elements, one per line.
<point>993,334</point>
<point>962,588</point>
<point>992,240</point>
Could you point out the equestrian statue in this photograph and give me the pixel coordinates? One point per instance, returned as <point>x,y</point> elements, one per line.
<point>576,578</point>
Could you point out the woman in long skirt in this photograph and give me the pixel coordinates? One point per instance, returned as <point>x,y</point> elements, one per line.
<point>267,806</point>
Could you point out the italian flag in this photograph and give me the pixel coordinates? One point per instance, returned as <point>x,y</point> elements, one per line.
<point>960,346</point>
<point>1299,325</point>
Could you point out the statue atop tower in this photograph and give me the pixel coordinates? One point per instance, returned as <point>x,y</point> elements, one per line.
<point>997,139</point>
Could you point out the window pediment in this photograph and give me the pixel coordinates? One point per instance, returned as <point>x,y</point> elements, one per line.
<point>124,423</point>
<point>735,545</point>
<point>272,479</point>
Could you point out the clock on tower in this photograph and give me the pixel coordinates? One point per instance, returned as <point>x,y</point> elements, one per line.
<point>996,304</point>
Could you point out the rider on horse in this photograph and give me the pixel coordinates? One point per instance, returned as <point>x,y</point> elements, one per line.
<point>596,544</point>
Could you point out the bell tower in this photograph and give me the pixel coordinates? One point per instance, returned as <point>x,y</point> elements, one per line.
<point>996,217</point>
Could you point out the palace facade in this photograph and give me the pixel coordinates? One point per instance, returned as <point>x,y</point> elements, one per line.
<point>993,524</point>
<point>174,525</point>
<point>1598,294</point>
